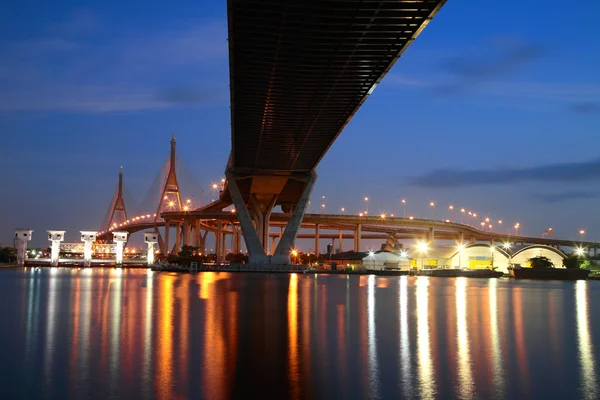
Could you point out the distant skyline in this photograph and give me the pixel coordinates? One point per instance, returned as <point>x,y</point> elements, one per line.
<point>492,108</point>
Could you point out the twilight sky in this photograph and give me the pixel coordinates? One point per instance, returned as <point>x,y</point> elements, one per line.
<point>494,108</point>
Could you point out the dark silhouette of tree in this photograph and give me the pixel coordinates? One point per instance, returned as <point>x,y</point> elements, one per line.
<point>541,262</point>
<point>572,262</point>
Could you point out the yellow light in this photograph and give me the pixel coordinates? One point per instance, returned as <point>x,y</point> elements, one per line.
<point>360,214</point>
<point>188,200</point>
<point>487,220</point>
<point>460,247</point>
<point>432,204</point>
<point>366,199</point>
<point>403,201</point>
<point>171,203</point>
<point>506,245</point>
<point>214,185</point>
<point>451,207</point>
<point>185,208</point>
<point>382,216</point>
<point>422,247</point>
<point>294,252</point>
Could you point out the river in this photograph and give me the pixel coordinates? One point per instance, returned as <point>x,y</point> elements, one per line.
<point>131,333</point>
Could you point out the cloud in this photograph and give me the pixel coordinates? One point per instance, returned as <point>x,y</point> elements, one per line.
<point>558,173</point>
<point>586,108</point>
<point>186,95</point>
<point>552,198</point>
<point>130,73</point>
<point>499,57</point>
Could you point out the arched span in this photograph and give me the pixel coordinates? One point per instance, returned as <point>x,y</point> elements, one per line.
<point>496,248</point>
<point>540,246</point>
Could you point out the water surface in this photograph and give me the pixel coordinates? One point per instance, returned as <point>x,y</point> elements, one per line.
<point>101,334</point>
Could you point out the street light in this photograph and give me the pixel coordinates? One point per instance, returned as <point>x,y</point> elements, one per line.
<point>294,254</point>
<point>582,233</point>
<point>366,205</point>
<point>451,208</point>
<point>517,225</point>
<point>214,187</point>
<point>462,219</point>
<point>506,246</point>
<point>404,204</point>
<point>432,205</point>
<point>343,209</point>
<point>422,249</point>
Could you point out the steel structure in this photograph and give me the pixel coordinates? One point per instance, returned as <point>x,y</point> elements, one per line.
<point>299,71</point>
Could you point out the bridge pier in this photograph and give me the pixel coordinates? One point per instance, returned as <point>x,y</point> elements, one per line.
<point>120,238</point>
<point>177,238</point>
<point>340,248</point>
<point>165,249</point>
<point>257,238</point>
<point>219,241</point>
<point>357,234</point>
<point>317,239</point>
<point>186,232</point>
<point>22,236</point>
<point>88,238</point>
<point>151,239</point>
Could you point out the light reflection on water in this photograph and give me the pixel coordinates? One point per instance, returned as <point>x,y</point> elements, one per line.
<point>133,333</point>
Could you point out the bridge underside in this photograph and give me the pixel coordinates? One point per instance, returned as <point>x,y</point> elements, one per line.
<point>298,73</point>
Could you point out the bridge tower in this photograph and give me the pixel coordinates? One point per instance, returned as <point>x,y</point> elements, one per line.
<point>170,197</point>
<point>118,214</point>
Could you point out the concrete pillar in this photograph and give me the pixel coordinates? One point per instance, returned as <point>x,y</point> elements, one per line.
<point>431,237</point>
<point>219,241</point>
<point>340,245</point>
<point>186,232</point>
<point>203,242</point>
<point>224,246</point>
<point>177,237</point>
<point>317,240</point>
<point>22,237</point>
<point>256,251</point>
<point>166,249</point>
<point>151,239</point>
<point>357,234</point>
<point>120,238</point>
<point>55,237</point>
<point>461,238</point>
<point>238,242</point>
<point>88,238</point>
<point>288,239</point>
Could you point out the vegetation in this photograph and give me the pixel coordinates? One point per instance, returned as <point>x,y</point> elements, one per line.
<point>541,262</point>
<point>7,255</point>
<point>573,261</point>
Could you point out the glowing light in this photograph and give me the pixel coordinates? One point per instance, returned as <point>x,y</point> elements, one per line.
<point>403,254</point>
<point>506,245</point>
<point>185,208</point>
<point>432,204</point>
<point>460,247</point>
<point>371,253</point>
<point>579,251</point>
<point>411,217</point>
<point>294,252</point>
<point>451,207</point>
<point>382,215</point>
<point>422,247</point>
<point>360,214</point>
<point>188,200</point>
<point>343,209</point>
<point>171,203</point>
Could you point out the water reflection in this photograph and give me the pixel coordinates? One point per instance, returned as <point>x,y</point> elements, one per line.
<point>136,334</point>
<point>465,385</point>
<point>495,337</point>
<point>404,356</point>
<point>425,364</point>
<point>372,339</point>
<point>589,380</point>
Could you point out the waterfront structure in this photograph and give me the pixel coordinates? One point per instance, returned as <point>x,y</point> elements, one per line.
<point>120,238</point>
<point>88,238</point>
<point>151,239</point>
<point>55,237</point>
<point>22,237</point>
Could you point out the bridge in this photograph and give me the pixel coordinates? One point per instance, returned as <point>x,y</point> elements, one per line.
<point>298,74</point>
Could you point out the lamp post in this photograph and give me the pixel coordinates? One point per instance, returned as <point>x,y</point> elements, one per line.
<point>517,225</point>
<point>432,205</point>
<point>343,210</point>
<point>366,205</point>
<point>404,204</point>
<point>462,218</point>
<point>214,187</point>
<point>451,208</point>
<point>582,233</point>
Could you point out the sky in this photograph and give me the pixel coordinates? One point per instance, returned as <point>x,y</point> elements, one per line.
<point>494,108</point>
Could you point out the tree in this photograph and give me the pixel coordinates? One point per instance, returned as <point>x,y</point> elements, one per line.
<point>186,251</point>
<point>541,262</point>
<point>572,262</point>
<point>590,264</point>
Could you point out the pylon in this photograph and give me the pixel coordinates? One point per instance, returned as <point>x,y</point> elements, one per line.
<point>118,214</point>
<point>170,197</point>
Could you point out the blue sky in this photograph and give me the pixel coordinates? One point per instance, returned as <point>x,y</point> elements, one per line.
<point>495,108</point>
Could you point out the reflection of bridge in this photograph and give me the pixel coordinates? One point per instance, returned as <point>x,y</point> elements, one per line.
<point>298,73</point>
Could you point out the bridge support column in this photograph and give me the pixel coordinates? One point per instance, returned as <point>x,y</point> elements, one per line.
<point>357,234</point>
<point>219,241</point>
<point>165,249</point>
<point>237,239</point>
<point>431,237</point>
<point>340,248</point>
<point>317,239</point>
<point>56,237</point>
<point>257,239</point>
<point>177,238</point>
<point>461,238</point>
<point>186,232</point>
